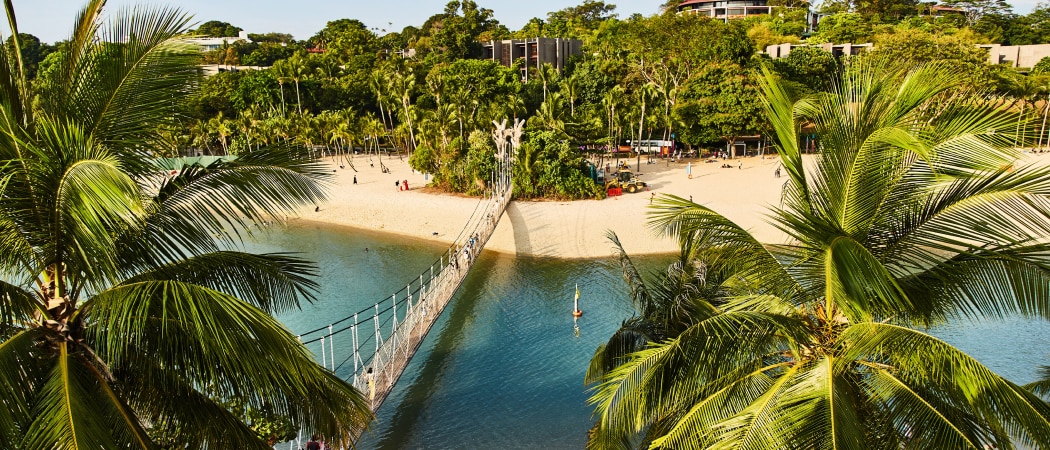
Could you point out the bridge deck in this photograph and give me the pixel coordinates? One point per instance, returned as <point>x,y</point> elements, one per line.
<point>397,349</point>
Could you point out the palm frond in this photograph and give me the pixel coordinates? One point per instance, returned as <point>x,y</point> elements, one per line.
<point>18,373</point>
<point>273,282</point>
<point>955,383</point>
<point>65,411</point>
<point>209,335</point>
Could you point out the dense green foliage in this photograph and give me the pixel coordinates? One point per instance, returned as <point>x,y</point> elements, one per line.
<point>128,318</point>
<point>422,89</point>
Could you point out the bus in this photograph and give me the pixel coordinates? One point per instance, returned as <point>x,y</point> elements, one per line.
<point>651,146</point>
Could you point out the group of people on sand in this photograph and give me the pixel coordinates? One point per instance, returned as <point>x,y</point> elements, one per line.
<point>401,185</point>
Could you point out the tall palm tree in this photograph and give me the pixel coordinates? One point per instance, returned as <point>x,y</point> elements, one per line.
<point>911,216</point>
<point>645,92</point>
<point>1025,88</point>
<point>221,127</point>
<point>298,69</point>
<point>403,84</point>
<point>124,315</point>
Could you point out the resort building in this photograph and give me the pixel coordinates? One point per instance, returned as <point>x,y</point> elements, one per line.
<point>208,44</point>
<point>534,52</point>
<point>1015,56</point>
<point>725,9</point>
<point>212,69</point>
<point>782,50</point>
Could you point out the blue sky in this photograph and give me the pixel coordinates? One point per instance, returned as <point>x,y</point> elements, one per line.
<point>52,20</point>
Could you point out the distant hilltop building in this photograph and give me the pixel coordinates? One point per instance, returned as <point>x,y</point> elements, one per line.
<point>1016,56</point>
<point>535,52</point>
<point>782,50</point>
<point>208,44</point>
<point>725,9</point>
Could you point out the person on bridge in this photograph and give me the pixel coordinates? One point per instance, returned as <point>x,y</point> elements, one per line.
<point>371,378</point>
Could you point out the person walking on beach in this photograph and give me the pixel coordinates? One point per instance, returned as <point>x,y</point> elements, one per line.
<point>405,184</point>
<point>355,179</point>
<point>397,184</point>
<point>689,170</point>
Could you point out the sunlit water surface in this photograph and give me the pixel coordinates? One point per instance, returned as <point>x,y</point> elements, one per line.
<point>503,367</point>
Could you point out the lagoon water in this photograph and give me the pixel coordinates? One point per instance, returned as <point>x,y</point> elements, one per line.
<point>503,368</point>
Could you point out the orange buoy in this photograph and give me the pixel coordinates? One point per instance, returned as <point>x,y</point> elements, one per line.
<point>577,313</point>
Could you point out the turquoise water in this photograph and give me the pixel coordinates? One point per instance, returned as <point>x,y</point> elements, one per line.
<point>503,368</point>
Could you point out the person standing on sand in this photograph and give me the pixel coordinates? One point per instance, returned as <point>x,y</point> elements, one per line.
<point>397,184</point>
<point>405,184</point>
<point>355,179</point>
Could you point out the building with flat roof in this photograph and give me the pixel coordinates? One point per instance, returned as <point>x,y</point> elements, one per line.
<point>725,9</point>
<point>782,50</point>
<point>1015,56</point>
<point>533,52</point>
<point>208,44</point>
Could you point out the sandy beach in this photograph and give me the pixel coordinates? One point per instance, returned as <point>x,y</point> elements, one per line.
<point>576,229</point>
<point>546,228</point>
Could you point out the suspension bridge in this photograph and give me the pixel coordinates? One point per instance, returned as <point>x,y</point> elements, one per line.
<point>372,347</point>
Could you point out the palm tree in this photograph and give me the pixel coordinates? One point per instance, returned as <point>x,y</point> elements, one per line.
<point>1025,88</point>
<point>404,84</point>
<point>282,71</point>
<point>645,92</point>
<point>547,74</point>
<point>221,126</point>
<point>298,69</point>
<point>572,91</point>
<point>911,216</point>
<point>125,315</point>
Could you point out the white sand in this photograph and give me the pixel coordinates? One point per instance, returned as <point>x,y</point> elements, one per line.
<point>557,229</point>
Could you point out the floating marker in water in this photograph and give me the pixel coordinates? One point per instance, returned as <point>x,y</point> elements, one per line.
<point>576,303</point>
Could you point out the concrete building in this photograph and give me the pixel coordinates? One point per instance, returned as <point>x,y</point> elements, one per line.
<point>208,44</point>
<point>782,50</point>
<point>1025,56</point>
<point>1016,56</point>
<point>535,52</point>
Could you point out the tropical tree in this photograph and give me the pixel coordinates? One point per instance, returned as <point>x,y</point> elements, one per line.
<point>912,215</point>
<point>125,312</point>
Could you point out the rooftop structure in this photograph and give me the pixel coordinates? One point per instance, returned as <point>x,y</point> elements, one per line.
<point>725,9</point>
<point>535,52</point>
<point>208,44</point>
<point>847,49</point>
<point>212,69</point>
<point>1016,56</point>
